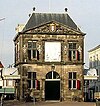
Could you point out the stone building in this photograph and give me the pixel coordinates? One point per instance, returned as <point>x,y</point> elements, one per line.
<point>49,54</point>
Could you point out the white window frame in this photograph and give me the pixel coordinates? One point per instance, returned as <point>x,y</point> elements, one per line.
<point>72,81</point>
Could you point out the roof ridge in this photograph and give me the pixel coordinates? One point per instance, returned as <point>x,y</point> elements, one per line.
<point>39,18</point>
<point>48,13</point>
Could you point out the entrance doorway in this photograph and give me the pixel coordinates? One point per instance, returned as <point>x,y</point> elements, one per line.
<point>52,90</point>
<point>52,86</point>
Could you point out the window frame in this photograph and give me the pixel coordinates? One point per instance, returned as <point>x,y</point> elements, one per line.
<point>33,53</point>
<point>31,80</point>
<point>73,53</point>
<point>72,80</point>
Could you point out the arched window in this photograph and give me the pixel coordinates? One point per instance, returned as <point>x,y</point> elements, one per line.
<point>52,75</point>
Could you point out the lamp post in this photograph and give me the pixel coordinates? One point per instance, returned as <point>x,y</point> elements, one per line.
<point>85,99</point>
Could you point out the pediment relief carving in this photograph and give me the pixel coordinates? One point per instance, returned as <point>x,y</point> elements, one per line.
<point>54,28</point>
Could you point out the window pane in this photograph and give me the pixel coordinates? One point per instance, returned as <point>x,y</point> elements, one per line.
<point>74,75</point>
<point>38,85</point>
<point>29,44</point>
<point>34,44</point>
<point>29,54</point>
<point>34,53</point>
<point>29,83</point>
<point>70,75</point>
<point>56,75</point>
<point>34,75</point>
<point>69,84</point>
<point>74,54</point>
<point>33,83</point>
<point>49,75</point>
<point>74,83</point>
<point>70,46</point>
<point>74,45</point>
<point>29,75</point>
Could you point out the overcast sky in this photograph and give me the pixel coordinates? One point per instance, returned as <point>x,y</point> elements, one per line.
<point>85,13</point>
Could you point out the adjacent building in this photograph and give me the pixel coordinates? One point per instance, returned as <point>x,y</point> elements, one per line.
<point>94,62</point>
<point>8,78</point>
<point>90,79</point>
<point>49,56</point>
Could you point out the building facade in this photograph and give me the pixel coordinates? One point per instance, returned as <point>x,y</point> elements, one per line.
<point>8,77</point>
<point>94,62</point>
<point>49,55</point>
<point>90,79</point>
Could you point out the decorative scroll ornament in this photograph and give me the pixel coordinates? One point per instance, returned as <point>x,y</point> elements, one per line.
<point>79,49</point>
<point>39,49</point>
<point>65,49</point>
<point>24,49</point>
<point>53,28</point>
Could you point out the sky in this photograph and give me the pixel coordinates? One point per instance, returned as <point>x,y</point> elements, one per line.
<point>85,13</point>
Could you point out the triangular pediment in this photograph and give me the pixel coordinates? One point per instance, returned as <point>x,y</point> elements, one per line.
<point>54,28</point>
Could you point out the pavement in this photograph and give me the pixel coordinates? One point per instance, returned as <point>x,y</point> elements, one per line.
<point>47,103</point>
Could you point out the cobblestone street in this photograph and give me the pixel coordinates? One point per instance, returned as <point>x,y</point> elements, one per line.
<point>52,103</point>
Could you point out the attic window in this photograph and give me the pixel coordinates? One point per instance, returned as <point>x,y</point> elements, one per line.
<point>52,27</point>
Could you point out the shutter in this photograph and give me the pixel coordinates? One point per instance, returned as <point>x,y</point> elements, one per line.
<point>78,84</point>
<point>37,84</point>
<point>77,55</point>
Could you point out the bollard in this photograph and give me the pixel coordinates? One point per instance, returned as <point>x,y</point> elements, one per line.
<point>1,100</point>
<point>98,102</point>
<point>33,100</point>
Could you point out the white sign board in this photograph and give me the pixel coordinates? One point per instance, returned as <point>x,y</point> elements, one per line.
<point>52,51</point>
